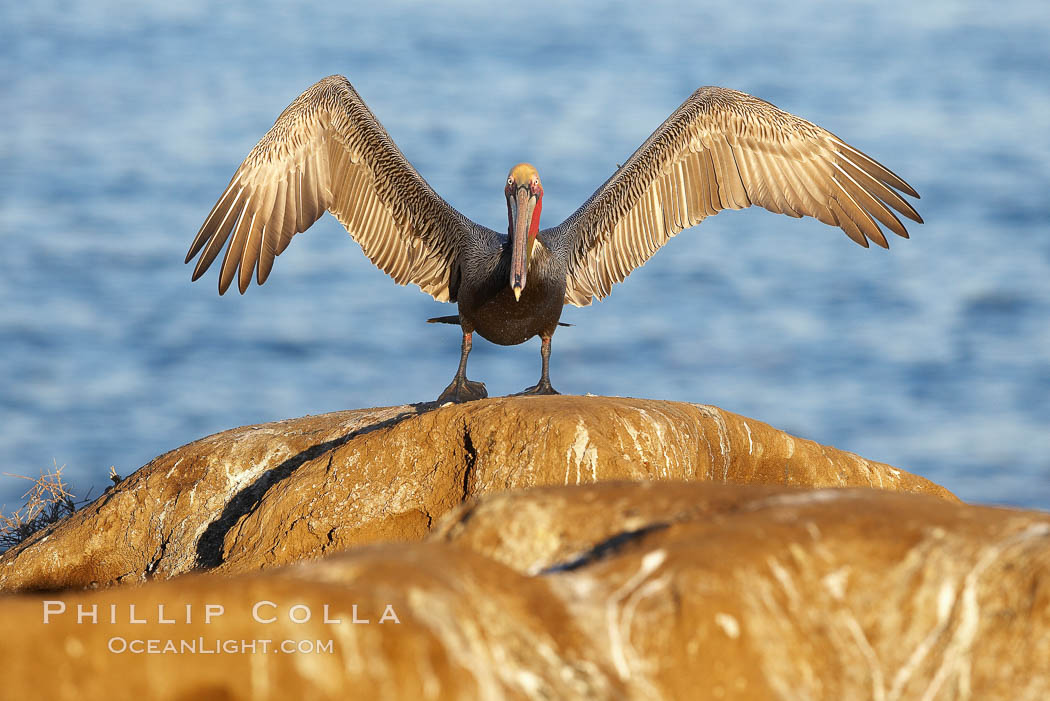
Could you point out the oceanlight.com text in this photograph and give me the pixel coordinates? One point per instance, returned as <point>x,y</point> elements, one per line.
<point>217,646</point>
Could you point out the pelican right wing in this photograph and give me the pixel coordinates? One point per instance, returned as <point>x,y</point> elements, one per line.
<point>724,149</point>
<point>328,151</point>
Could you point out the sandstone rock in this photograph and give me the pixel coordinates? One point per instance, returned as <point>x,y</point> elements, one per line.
<point>441,623</point>
<point>267,495</point>
<point>709,591</point>
<point>666,590</point>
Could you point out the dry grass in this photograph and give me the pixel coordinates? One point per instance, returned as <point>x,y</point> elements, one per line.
<point>48,500</point>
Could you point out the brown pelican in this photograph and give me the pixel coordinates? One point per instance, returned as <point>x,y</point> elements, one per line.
<point>721,149</point>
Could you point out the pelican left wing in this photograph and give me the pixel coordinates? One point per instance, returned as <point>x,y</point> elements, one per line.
<point>724,149</point>
<point>327,151</point>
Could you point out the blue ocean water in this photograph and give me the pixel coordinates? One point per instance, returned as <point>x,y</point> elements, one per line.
<point>125,120</point>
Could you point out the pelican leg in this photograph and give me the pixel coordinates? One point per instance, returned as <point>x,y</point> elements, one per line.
<point>461,389</point>
<point>544,385</point>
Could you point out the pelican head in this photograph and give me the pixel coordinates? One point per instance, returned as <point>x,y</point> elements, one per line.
<point>524,202</point>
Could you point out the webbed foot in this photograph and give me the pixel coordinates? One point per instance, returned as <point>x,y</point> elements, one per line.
<point>541,387</point>
<point>463,390</point>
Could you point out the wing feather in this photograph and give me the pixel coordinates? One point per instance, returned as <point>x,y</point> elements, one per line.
<point>236,245</point>
<point>291,212</point>
<point>249,254</point>
<point>272,232</point>
<point>218,227</point>
<point>723,149</point>
<point>326,151</point>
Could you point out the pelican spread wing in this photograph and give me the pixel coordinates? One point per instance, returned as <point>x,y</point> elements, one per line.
<point>327,151</point>
<point>723,149</point>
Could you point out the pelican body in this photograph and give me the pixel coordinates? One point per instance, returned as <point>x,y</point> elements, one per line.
<point>721,149</point>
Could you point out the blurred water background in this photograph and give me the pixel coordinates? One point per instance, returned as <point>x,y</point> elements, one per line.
<point>125,120</point>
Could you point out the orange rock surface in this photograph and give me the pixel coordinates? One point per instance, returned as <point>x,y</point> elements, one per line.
<point>606,591</point>
<point>262,496</point>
